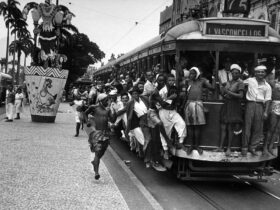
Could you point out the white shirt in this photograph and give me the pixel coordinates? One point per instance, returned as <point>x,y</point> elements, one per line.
<point>173,72</point>
<point>76,104</point>
<point>19,96</point>
<point>186,73</point>
<point>140,108</point>
<point>256,92</point>
<point>224,76</point>
<point>148,88</point>
<point>163,94</point>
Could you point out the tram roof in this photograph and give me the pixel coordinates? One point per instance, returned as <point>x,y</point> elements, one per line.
<point>151,42</point>
<point>192,30</point>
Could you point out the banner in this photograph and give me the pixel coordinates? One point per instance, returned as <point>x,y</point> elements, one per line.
<point>237,6</point>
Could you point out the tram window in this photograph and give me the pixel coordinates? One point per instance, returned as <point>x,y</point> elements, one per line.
<point>205,60</point>
<point>244,60</point>
<point>170,64</point>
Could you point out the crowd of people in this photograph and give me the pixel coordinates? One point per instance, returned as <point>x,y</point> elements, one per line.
<point>148,111</point>
<point>14,103</point>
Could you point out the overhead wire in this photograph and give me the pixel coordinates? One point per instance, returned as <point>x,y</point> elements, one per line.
<point>136,24</point>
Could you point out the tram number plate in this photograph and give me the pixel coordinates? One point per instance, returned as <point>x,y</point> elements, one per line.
<point>237,6</point>
<point>235,30</point>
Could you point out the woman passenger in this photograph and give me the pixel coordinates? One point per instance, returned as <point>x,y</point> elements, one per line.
<point>231,111</point>
<point>194,111</point>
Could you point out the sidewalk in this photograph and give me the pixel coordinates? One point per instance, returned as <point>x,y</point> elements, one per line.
<point>43,166</point>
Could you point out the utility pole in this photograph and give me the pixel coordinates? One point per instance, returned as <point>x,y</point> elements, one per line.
<point>57,2</point>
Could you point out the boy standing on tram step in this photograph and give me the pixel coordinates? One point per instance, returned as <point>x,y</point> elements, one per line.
<point>99,137</point>
<point>194,110</point>
<point>168,114</point>
<point>274,117</point>
<point>258,97</point>
<point>140,105</point>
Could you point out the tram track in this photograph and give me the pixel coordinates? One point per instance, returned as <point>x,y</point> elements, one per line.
<point>176,194</point>
<point>205,197</point>
<point>258,188</point>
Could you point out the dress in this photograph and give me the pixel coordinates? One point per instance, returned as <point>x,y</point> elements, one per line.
<point>18,102</point>
<point>194,110</point>
<point>231,111</point>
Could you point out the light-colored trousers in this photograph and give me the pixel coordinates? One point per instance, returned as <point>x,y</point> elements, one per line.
<point>170,119</point>
<point>18,105</point>
<point>10,110</point>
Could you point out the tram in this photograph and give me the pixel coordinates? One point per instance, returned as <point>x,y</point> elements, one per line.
<point>207,43</point>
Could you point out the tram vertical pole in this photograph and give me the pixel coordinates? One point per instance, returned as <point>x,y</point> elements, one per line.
<point>149,63</point>
<point>178,66</point>
<point>216,73</point>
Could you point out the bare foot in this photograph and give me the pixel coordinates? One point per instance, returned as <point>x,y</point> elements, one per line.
<point>228,152</point>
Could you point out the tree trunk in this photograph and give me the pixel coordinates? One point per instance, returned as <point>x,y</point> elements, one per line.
<point>7,49</point>
<point>18,66</point>
<point>24,66</point>
<point>14,59</point>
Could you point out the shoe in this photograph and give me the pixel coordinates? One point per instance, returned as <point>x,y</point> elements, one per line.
<point>148,165</point>
<point>17,118</point>
<point>8,120</point>
<point>244,153</point>
<point>158,167</point>
<point>228,153</point>
<point>76,135</point>
<point>97,176</point>
<point>271,152</point>
<point>253,152</point>
<point>189,150</point>
<point>199,150</point>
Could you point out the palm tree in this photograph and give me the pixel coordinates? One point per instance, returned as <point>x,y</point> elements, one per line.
<point>66,32</point>
<point>10,12</point>
<point>20,31</point>
<point>23,44</point>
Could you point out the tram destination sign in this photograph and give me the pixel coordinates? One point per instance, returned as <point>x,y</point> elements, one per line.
<point>235,30</point>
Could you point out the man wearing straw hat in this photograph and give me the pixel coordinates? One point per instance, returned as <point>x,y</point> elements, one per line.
<point>99,135</point>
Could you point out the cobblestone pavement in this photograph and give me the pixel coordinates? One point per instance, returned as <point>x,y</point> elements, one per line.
<point>44,167</point>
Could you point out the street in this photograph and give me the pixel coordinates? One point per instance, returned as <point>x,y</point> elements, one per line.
<point>45,167</point>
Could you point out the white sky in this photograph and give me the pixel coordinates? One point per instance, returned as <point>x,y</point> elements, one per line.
<point>111,23</point>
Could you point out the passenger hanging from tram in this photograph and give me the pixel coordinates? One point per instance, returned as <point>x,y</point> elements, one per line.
<point>273,131</point>
<point>194,109</point>
<point>231,116</point>
<point>168,114</point>
<point>258,96</point>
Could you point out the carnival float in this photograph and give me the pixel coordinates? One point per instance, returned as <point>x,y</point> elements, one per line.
<point>45,78</point>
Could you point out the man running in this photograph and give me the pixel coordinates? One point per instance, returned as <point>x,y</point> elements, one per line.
<point>99,136</point>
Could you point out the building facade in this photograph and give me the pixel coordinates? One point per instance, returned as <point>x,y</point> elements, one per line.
<point>185,10</point>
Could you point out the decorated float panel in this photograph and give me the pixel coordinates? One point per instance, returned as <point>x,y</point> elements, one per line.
<point>45,78</point>
<point>45,89</point>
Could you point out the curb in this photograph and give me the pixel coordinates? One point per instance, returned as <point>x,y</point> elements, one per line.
<point>136,181</point>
